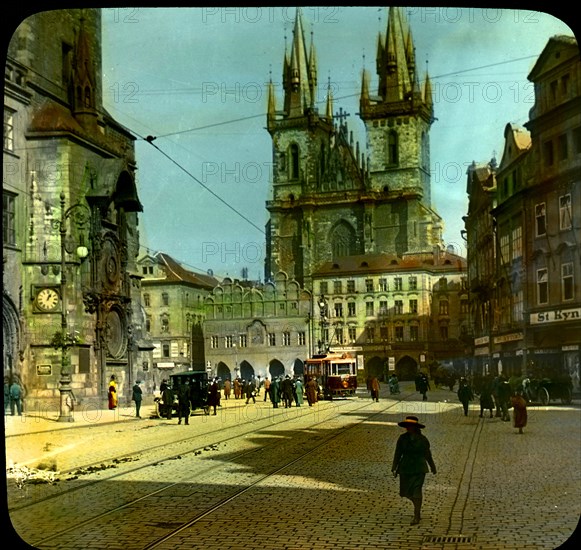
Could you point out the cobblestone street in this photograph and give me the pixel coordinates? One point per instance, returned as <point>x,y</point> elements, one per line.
<point>495,489</point>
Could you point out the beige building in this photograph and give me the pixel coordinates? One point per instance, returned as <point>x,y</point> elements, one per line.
<point>254,329</point>
<point>71,297</point>
<point>397,314</point>
<point>173,300</point>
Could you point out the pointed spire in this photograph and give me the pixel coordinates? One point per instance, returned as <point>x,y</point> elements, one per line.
<point>364,98</point>
<point>428,98</point>
<point>271,113</point>
<point>329,106</point>
<point>395,82</point>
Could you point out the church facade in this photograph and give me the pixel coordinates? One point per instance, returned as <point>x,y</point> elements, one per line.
<point>332,198</point>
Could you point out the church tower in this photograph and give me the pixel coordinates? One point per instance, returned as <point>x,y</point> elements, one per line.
<point>397,123</point>
<point>329,199</point>
<point>317,173</point>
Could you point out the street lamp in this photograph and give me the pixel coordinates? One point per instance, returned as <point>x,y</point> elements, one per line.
<point>80,214</point>
<point>236,361</point>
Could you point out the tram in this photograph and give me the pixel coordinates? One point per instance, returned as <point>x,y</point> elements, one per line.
<point>336,374</point>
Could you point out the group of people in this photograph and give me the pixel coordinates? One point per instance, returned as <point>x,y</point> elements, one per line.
<point>13,396</point>
<point>495,393</point>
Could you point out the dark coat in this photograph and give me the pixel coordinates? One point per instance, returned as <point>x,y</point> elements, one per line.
<point>137,393</point>
<point>412,454</point>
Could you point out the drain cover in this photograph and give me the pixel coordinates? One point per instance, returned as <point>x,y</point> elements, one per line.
<point>449,539</point>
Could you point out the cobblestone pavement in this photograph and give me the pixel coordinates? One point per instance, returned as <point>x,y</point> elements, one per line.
<point>495,489</point>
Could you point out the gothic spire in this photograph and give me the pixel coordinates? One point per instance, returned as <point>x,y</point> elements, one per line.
<point>83,79</point>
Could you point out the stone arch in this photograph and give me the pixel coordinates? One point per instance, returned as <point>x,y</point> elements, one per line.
<point>343,240</point>
<point>298,367</point>
<point>10,337</point>
<point>246,370</point>
<point>275,368</point>
<point>406,368</point>
<point>223,371</point>
<point>376,367</point>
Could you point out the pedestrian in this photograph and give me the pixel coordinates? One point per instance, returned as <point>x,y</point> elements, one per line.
<point>15,397</point>
<point>137,396</point>
<point>411,460</point>
<point>423,385</point>
<point>227,388</point>
<point>465,394</point>
<point>504,395</point>
<point>184,402</point>
<point>250,391</point>
<point>299,392</point>
<point>495,385</point>
<point>312,389</point>
<point>213,395</point>
<point>167,397</point>
<point>267,389</point>
<point>237,388</point>
<point>393,384</point>
<point>519,406</point>
<point>112,393</point>
<point>286,388</point>
<point>375,389</point>
<point>486,400</point>
<point>275,392</point>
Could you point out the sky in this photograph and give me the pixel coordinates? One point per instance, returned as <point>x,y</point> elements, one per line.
<point>196,79</point>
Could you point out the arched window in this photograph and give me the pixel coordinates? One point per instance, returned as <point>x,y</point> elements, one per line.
<point>392,147</point>
<point>343,240</point>
<point>294,162</point>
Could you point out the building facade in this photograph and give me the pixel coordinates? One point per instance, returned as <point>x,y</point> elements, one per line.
<point>254,329</point>
<point>71,296</point>
<point>332,198</point>
<point>396,314</point>
<point>535,315</point>
<point>174,308</point>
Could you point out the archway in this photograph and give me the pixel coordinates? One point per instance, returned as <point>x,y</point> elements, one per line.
<point>275,369</point>
<point>375,368</point>
<point>223,371</point>
<point>246,370</point>
<point>406,368</point>
<point>299,368</point>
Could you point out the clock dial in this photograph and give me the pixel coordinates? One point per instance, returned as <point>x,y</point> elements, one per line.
<point>47,299</point>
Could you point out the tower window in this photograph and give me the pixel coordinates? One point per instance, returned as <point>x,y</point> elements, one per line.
<point>392,148</point>
<point>294,167</point>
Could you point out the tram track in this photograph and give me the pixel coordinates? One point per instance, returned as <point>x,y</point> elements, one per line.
<point>303,448</point>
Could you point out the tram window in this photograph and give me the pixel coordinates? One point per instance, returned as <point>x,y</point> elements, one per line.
<point>341,368</point>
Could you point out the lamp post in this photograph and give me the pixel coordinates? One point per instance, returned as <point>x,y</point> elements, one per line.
<point>66,394</point>
<point>237,374</point>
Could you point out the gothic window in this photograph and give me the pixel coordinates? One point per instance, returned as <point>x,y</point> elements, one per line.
<point>294,162</point>
<point>8,130</point>
<point>146,301</point>
<point>8,219</point>
<point>392,148</point>
<point>542,286</point>
<point>343,240</point>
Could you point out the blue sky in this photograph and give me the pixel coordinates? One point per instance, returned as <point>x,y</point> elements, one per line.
<point>196,79</point>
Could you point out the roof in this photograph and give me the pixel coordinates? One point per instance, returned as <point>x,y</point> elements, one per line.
<point>365,264</point>
<point>177,274</point>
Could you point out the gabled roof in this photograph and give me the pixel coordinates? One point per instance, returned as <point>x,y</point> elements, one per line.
<point>558,49</point>
<point>517,140</point>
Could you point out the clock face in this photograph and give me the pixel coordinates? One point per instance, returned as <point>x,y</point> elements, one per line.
<point>47,299</point>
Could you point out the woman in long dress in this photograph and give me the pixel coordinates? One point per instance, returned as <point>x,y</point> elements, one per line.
<point>112,393</point>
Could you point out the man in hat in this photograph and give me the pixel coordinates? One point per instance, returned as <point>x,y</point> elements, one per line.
<point>137,397</point>
<point>411,460</point>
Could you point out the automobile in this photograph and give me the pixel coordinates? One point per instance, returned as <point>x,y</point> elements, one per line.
<point>198,384</point>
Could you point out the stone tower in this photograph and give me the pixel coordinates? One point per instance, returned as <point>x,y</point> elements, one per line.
<point>329,199</point>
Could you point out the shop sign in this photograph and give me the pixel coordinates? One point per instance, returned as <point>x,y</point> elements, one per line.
<point>570,348</point>
<point>391,363</point>
<point>167,365</point>
<point>360,362</point>
<point>482,341</point>
<point>508,338</point>
<point>555,316</point>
